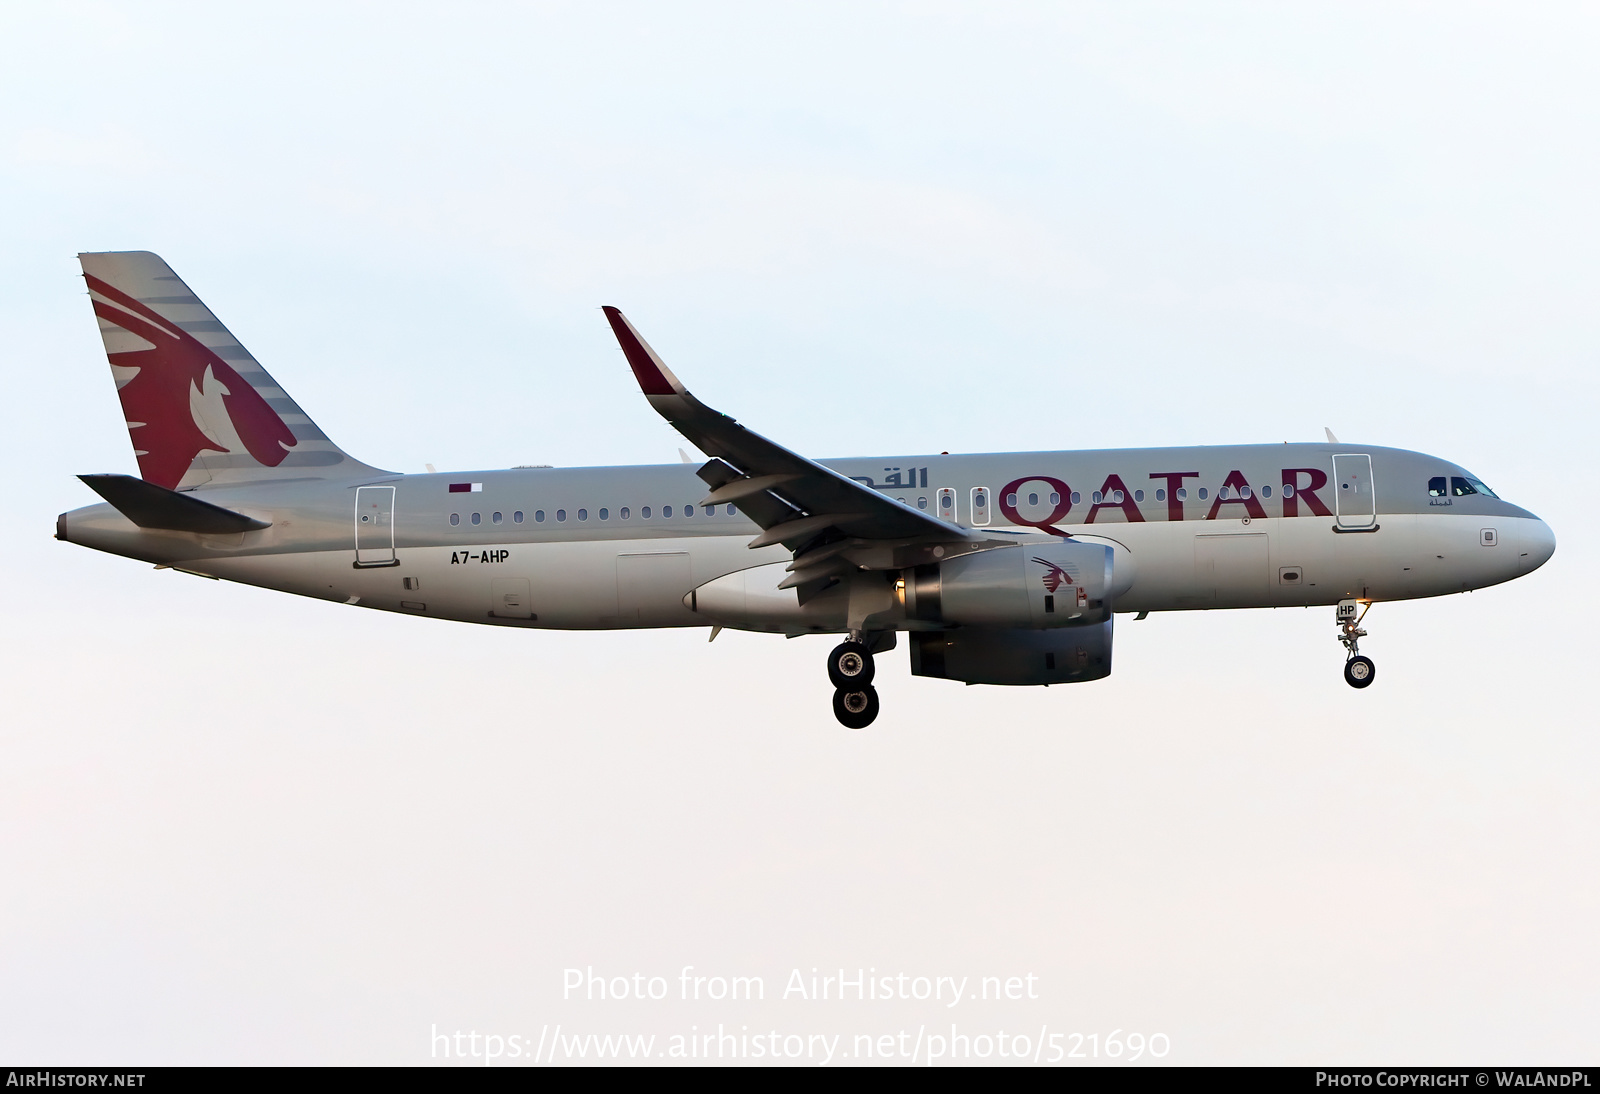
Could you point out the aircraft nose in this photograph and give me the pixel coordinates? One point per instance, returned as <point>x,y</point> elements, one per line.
<point>1538,544</point>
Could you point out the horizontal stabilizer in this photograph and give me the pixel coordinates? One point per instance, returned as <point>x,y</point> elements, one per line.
<point>152,506</point>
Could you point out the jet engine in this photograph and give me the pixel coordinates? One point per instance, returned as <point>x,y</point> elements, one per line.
<point>1033,585</point>
<point>983,655</point>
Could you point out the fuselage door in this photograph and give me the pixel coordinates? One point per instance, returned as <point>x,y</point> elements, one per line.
<point>947,505</point>
<point>375,526</point>
<point>1354,503</point>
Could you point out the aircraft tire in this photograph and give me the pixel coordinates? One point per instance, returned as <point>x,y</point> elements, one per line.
<point>856,707</point>
<point>1359,671</point>
<point>850,666</point>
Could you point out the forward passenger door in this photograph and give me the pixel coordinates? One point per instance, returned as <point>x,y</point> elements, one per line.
<point>1355,504</point>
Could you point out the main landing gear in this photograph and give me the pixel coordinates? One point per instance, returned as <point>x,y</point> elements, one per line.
<point>1358,670</point>
<point>850,669</point>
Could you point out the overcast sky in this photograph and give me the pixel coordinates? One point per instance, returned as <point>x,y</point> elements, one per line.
<point>237,826</point>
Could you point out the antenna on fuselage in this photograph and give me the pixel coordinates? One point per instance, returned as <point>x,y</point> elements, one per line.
<point>1331,438</point>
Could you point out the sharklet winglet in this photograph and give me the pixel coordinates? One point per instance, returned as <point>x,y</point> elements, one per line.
<point>654,377</point>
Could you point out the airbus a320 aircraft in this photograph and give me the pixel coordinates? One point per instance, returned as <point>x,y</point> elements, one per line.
<point>1000,568</point>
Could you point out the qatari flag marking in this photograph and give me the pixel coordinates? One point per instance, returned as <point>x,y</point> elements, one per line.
<point>466,488</point>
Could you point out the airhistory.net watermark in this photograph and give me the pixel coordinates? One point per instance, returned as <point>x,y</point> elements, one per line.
<point>929,1047</point>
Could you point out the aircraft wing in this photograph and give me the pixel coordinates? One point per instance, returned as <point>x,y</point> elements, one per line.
<point>818,513</point>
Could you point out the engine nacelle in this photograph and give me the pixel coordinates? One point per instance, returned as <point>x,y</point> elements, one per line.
<point>1036,585</point>
<point>978,655</point>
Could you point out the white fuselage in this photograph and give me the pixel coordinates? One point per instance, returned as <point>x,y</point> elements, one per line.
<point>481,556</point>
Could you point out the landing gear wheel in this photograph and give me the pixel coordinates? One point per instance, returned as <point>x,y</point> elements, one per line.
<point>855,707</point>
<point>850,666</point>
<point>1359,671</point>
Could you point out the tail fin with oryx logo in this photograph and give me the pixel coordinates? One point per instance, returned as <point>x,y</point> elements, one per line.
<point>199,409</point>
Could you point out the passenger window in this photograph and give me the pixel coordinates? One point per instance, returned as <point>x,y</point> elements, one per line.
<point>1011,499</point>
<point>623,512</point>
<point>1288,489</point>
<point>1055,498</point>
<point>1161,495</point>
<point>688,510</point>
<point>1244,491</point>
<point>538,516</point>
<point>666,510</point>
<point>1095,497</point>
<point>497,518</point>
<point>945,501</point>
<point>922,503</point>
<point>1033,499</point>
<point>1203,493</point>
<point>1266,491</point>
<point>1436,488</point>
<point>730,509</point>
<point>605,514</point>
<point>516,518</point>
<point>1117,496</point>
<point>1222,495</point>
<point>583,514</point>
<point>1183,493</point>
<point>477,518</point>
<point>1460,487</point>
<point>561,514</point>
<point>455,518</point>
<point>1076,497</point>
<point>1138,495</point>
<point>645,512</point>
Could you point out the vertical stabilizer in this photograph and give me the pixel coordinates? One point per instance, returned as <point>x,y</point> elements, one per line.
<point>199,409</point>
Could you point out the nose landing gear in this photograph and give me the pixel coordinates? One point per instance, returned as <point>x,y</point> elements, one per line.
<point>1358,670</point>
<point>850,669</point>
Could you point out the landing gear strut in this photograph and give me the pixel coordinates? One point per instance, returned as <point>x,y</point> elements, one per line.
<point>1358,670</point>
<point>850,669</point>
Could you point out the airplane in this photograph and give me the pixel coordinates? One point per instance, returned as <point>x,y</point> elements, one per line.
<point>999,568</point>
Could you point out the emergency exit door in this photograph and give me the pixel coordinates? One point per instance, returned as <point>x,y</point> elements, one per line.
<point>375,526</point>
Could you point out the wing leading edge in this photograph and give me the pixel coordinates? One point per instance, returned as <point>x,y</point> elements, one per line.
<point>832,523</point>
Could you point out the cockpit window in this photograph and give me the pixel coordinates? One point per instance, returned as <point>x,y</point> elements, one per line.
<point>1436,487</point>
<point>1462,487</point>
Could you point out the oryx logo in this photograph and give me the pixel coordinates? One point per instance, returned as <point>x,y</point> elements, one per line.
<point>1054,576</point>
<point>161,385</point>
